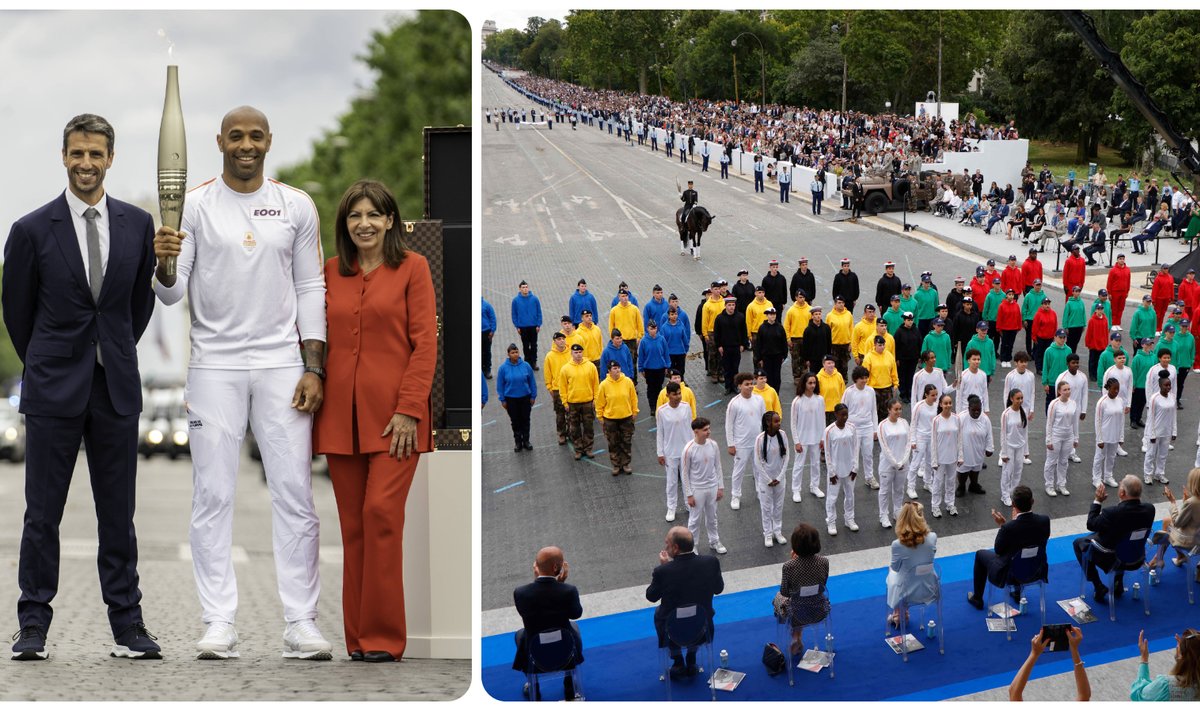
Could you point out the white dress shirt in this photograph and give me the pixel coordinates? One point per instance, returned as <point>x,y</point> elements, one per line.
<point>77,208</point>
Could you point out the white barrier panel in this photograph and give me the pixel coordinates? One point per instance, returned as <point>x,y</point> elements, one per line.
<point>1000,161</point>
<point>949,111</point>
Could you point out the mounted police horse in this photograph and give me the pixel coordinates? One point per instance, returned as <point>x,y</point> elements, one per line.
<point>693,228</point>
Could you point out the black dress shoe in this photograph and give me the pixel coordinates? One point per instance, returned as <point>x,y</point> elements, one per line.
<point>1100,594</point>
<point>356,655</point>
<point>518,447</point>
<point>528,446</point>
<point>378,657</point>
<point>975,602</point>
<point>692,670</point>
<point>976,489</point>
<point>677,670</point>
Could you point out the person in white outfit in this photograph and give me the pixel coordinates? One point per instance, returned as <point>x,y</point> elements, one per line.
<point>1014,442</point>
<point>840,444</point>
<point>972,381</point>
<point>923,413</point>
<point>946,446</point>
<point>673,430</point>
<point>1124,377</point>
<point>249,260</point>
<point>1151,385</point>
<point>743,419</point>
<point>771,455</point>
<point>1078,381</point>
<point>895,447</point>
<point>1062,433</point>
<point>1023,379</point>
<point>928,374</point>
<point>703,482</point>
<point>860,400</point>
<point>977,445</point>
<point>1161,424</point>
<point>808,425</point>
<point>1110,424</point>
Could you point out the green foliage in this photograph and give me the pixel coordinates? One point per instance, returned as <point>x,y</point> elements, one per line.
<point>424,79</point>
<point>505,47</point>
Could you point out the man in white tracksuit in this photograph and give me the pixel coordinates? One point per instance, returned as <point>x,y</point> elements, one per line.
<point>808,426</point>
<point>1077,379</point>
<point>703,482</point>
<point>743,422</point>
<point>249,260</point>
<point>1022,378</point>
<point>673,431</point>
<point>861,401</point>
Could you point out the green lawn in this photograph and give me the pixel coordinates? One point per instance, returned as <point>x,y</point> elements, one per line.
<point>1060,157</point>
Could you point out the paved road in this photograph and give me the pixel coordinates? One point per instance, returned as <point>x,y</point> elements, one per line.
<point>560,205</point>
<point>80,668</point>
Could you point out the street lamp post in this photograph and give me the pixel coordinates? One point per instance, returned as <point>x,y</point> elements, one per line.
<point>845,72</point>
<point>762,49</point>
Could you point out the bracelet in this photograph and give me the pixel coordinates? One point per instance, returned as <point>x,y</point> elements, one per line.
<point>1079,663</point>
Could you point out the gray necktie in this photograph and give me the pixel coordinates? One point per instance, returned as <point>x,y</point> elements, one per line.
<point>95,266</point>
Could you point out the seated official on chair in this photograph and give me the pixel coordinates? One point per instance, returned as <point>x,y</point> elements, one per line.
<point>548,603</point>
<point>683,578</point>
<point>1109,528</point>
<point>1025,530</point>
<point>915,546</point>
<point>805,568</point>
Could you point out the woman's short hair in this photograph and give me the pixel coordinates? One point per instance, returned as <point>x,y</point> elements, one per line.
<point>805,540</point>
<point>911,528</point>
<point>382,199</point>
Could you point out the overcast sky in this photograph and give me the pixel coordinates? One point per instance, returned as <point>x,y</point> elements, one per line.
<point>299,68</point>
<point>507,18</point>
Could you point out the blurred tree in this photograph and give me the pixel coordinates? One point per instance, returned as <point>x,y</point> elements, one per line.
<point>424,79</point>
<point>505,47</point>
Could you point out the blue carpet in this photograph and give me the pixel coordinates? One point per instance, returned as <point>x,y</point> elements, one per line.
<point>622,658</point>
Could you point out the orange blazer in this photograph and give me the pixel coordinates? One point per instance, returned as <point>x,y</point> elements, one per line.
<point>380,355</point>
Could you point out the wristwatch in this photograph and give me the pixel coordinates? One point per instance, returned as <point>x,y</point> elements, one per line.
<point>315,370</point>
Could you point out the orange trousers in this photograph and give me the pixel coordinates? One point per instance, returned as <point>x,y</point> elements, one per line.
<point>371,490</point>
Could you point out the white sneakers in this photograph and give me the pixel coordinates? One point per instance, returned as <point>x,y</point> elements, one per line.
<point>769,541</point>
<point>719,548</point>
<point>1063,490</point>
<point>1027,461</point>
<point>872,483</point>
<point>219,642</point>
<point>952,511</point>
<point>937,512</point>
<point>832,530</point>
<point>1162,478</point>
<point>670,514</point>
<point>1050,491</point>
<point>735,503</point>
<point>1075,458</point>
<point>1121,451</point>
<point>816,492</point>
<point>796,496</point>
<point>885,522</point>
<point>780,538</point>
<point>302,640</point>
<point>1111,482</point>
<point>911,493</point>
<point>852,525</point>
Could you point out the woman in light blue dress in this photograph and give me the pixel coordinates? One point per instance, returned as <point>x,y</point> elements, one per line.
<point>1182,684</point>
<point>915,545</point>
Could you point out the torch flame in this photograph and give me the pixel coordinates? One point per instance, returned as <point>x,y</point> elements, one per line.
<point>170,43</point>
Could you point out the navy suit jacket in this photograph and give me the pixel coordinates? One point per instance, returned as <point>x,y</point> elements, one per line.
<point>1025,531</point>
<point>546,604</point>
<point>52,319</point>
<point>1115,523</point>
<point>686,580</point>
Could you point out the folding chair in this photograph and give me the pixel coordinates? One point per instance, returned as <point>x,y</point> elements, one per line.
<point>808,607</point>
<point>1029,569</point>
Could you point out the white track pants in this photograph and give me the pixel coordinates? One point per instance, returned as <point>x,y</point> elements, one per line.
<point>866,449</point>
<point>1055,471</point>
<point>741,467</point>
<point>672,468</point>
<point>1010,471</point>
<point>811,457</point>
<point>919,459</point>
<point>219,404</point>
<point>844,487</point>
<point>705,511</point>
<point>944,483</point>
<point>770,501</point>
<point>891,490</point>
<point>1103,463</point>
<point>1155,464</point>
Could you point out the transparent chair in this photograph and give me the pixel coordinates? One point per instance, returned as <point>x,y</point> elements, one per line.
<point>1160,539</point>
<point>1130,557</point>
<point>551,655</point>
<point>686,627</point>
<point>902,609</point>
<point>1029,569</point>
<point>809,607</point>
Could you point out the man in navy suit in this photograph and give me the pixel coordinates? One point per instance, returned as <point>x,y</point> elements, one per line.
<point>682,579</point>
<point>76,298</point>
<point>545,604</point>
<point>1025,530</point>
<point>1109,528</point>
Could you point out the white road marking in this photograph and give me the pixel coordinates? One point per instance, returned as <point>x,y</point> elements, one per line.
<point>834,228</point>
<point>809,217</point>
<point>515,240</point>
<point>621,203</point>
<point>737,189</point>
<point>559,237</point>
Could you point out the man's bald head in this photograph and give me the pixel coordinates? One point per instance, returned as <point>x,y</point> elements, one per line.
<point>1132,486</point>
<point>681,537</point>
<point>245,114</point>
<point>549,560</point>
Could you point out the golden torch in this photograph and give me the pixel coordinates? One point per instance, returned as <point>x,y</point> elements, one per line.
<point>172,159</point>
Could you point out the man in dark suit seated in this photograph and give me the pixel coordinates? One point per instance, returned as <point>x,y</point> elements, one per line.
<point>1111,526</point>
<point>683,578</point>
<point>1095,242</point>
<point>545,604</point>
<point>1025,530</point>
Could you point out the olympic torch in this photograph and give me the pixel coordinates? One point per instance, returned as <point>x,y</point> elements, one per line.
<point>172,159</point>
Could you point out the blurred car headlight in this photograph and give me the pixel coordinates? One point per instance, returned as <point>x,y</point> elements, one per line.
<point>154,437</point>
<point>10,434</point>
<point>180,438</point>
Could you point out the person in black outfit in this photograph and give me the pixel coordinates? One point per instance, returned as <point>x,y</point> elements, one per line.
<point>818,340</point>
<point>548,603</point>
<point>775,285</point>
<point>1025,530</point>
<point>683,578</point>
<point>804,279</point>
<point>698,321</point>
<point>729,335</point>
<point>908,354</point>
<point>845,285</point>
<point>772,343</point>
<point>963,327</point>
<point>743,291</point>
<point>888,286</point>
<point>1111,526</point>
<point>689,198</point>
<point>955,297</point>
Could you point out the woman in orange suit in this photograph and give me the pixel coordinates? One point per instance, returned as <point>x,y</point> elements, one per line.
<point>374,422</point>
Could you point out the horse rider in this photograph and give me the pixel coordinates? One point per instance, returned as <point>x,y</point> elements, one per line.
<point>689,198</point>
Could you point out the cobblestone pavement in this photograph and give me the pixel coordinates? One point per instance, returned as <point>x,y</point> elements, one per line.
<point>79,667</point>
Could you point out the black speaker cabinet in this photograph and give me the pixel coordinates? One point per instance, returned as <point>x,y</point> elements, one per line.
<point>448,203</point>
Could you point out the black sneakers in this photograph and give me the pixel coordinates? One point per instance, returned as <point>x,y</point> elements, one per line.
<point>30,644</point>
<point>135,642</point>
